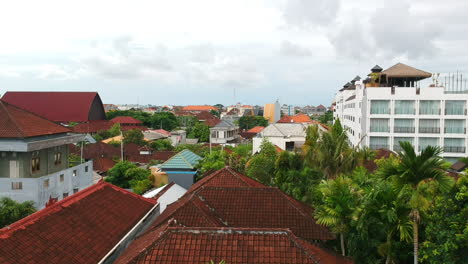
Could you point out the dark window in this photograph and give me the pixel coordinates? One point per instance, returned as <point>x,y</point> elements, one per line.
<point>62,177</point>
<point>86,169</point>
<point>74,173</point>
<point>65,195</point>
<point>16,185</point>
<point>75,190</point>
<point>35,164</point>
<point>290,146</point>
<point>58,158</point>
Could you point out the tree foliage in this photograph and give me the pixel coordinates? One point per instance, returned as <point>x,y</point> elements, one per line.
<point>163,120</point>
<point>134,136</point>
<point>127,175</point>
<point>261,166</point>
<point>12,211</point>
<point>248,122</point>
<point>200,131</point>
<point>162,144</point>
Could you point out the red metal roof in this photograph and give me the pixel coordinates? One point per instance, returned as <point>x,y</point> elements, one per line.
<point>58,106</point>
<point>18,123</point>
<point>81,228</point>
<point>176,244</point>
<point>125,120</point>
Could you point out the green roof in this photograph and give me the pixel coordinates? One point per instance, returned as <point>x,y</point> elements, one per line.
<point>185,159</point>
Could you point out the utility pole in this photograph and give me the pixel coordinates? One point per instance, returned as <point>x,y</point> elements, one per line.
<point>121,146</point>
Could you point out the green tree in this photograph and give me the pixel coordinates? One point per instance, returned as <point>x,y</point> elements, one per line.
<point>213,161</point>
<point>327,118</point>
<point>164,120</point>
<point>262,165</point>
<point>134,136</point>
<point>215,113</point>
<point>12,211</point>
<point>411,176</point>
<point>137,114</point>
<point>446,229</point>
<point>117,174</point>
<point>114,130</point>
<point>140,181</point>
<point>219,106</point>
<point>339,203</point>
<point>162,144</point>
<point>200,131</point>
<point>248,122</point>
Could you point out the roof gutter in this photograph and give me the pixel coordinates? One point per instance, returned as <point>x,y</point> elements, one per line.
<point>129,233</point>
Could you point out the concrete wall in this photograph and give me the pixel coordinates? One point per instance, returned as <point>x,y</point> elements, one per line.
<point>35,189</point>
<point>183,178</point>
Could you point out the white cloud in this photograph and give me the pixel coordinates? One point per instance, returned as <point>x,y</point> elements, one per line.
<point>308,13</point>
<point>291,49</point>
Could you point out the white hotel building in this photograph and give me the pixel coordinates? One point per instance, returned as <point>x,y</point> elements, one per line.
<point>389,107</point>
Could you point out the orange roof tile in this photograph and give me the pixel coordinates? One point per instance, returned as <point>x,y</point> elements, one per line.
<point>256,129</point>
<point>199,108</point>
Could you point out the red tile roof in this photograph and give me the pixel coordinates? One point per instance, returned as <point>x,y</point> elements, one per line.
<point>256,129</point>
<point>18,123</point>
<point>163,132</point>
<point>212,122</point>
<point>249,207</point>
<point>205,116</point>
<point>225,177</point>
<point>59,106</point>
<point>81,228</point>
<point>175,244</point>
<point>103,164</point>
<point>125,120</point>
<point>199,108</point>
<point>299,118</point>
<point>93,126</point>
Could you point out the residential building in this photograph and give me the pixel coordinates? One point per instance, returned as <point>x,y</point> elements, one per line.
<point>180,168</point>
<point>249,134</point>
<point>59,107</point>
<point>299,118</point>
<point>286,136</point>
<point>90,226</point>
<point>128,123</point>
<point>224,132</point>
<point>271,112</point>
<point>390,106</point>
<point>34,155</point>
<point>287,109</point>
<point>314,110</point>
<point>166,194</point>
<point>110,107</point>
<point>241,109</point>
<point>178,137</point>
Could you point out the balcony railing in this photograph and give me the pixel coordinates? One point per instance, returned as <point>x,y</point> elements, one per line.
<point>460,112</point>
<point>380,129</point>
<point>404,112</point>
<point>454,149</point>
<point>456,130</point>
<point>430,112</point>
<point>403,129</point>
<point>378,146</point>
<point>380,111</point>
<point>430,130</point>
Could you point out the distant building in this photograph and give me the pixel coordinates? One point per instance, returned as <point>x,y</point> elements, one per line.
<point>224,132</point>
<point>286,136</point>
<point>59,107</point>
<point>314,110</point>
<point>299,118</point>
<point>110,107</point>
<point>34,158</point>
<point>128,123</point>
<point>287,109</point>
<point>272,112</point>
<point>199,108</point>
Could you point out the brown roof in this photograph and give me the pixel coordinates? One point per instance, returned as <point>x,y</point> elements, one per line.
<point>176,244</point>
<point>458,166</point>
<point>81,228</point>
<point>403,70</point>
<point>18,123</point>
<point>93,126</point>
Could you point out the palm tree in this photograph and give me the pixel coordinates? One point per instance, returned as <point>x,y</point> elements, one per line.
<point>340,199</point>
<point>410,176</point>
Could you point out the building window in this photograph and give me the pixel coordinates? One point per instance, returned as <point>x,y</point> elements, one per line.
<point>75,190</point>
<point>65,195</point>
<point>403,126</point>
<point>74,173</point>
<point>455,126</point>
<point>429,107</point>
<point>58,158</point>
<point>17,185</point>
<point>62,178</point>
<point>46,183</point>
<point>35,164</point>
<point>86,168</point>
<point>454,145</point>
<point>379,125</point>
<point>425,142</point>
<point>397,140</point>
<point>429,126</point>
<point>380,107</point>
<point>404,107</point>
<point>453,107</point>
<point>378,142</point>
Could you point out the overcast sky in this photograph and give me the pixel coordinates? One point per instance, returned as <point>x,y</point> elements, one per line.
<point>199,52</point>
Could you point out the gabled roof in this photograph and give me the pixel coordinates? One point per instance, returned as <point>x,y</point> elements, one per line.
<point>225,124</point>
<point>125,120</point>
<point>284,130</point>
<point>103,164</point>
<point>299,118</point>
<point>18,123</point>
<point>175,244</point>
<point>204,115</point>
<point>212,122</point>
<point>185,159</point>
<point>81,228</point>
<point>225,177</point>
<point>59,106</point>
<point>403,70</point>
<point>199,108</point>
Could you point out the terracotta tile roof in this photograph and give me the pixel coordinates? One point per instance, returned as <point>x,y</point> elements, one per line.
<point>299,118</point>
<point>254,207</point>
<point>18,123</point>
<point>175,244</point>
<point>225,177</point>
<point>199,108</point>
<point>93,126</point>
<point>256,129</point>
<point>205,116</point>
<point>103,164</point>
<point>59,106</point>
<point>125,120</point>
<point>96,151</point>
<point>212,122</point>
<point>81,228</point>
